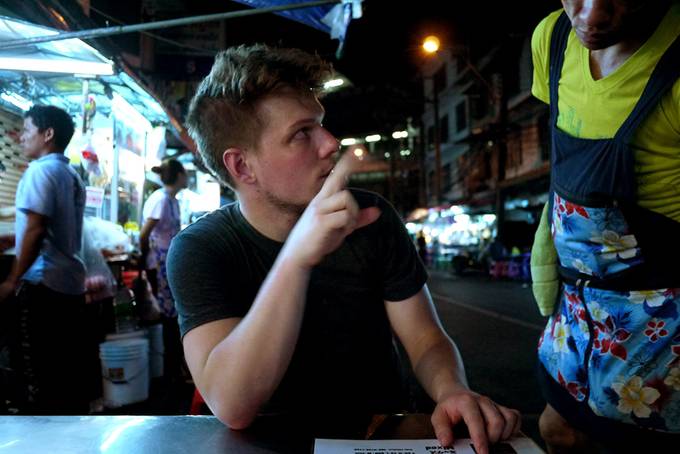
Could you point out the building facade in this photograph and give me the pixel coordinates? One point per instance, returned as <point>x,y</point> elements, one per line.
<point>493,136</point>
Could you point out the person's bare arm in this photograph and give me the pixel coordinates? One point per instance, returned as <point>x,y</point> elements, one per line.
<point>36,227</point>
<point>439,368</point>
<point>238,363</point>
<point>144,237</point>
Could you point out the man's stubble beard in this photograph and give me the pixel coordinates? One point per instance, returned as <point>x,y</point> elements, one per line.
<point>291,208</point>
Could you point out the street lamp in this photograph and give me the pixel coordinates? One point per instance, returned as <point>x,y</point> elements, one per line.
<point>431,46</point>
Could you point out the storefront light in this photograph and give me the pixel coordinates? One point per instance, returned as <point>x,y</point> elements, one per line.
<point>462,219</point>
<point>131,167</point>
<point>16,100</point>
<point>155,146</point>
<point>446,237</point>
<point>457,209</point>
<point>129,114</point>
<point>57,66</point>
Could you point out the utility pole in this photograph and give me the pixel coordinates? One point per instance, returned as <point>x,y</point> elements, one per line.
<point>502,147</point>
<point>431,46</point>
<point>437,147</point>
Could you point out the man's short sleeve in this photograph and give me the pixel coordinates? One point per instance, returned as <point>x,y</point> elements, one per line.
<point>39,191</point>
<point>540,52</point>
<point>199,275</point>
<point>404,273</point>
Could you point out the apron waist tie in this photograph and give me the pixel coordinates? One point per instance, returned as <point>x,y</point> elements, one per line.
<point>639,278</point>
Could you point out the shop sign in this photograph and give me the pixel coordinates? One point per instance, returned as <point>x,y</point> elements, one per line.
<point>94,197</point>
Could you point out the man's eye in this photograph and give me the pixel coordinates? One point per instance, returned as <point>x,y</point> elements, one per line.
<point>302,134</point>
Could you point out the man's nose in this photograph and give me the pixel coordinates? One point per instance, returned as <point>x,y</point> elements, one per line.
<point>595,14</point>
<point>330,145</point>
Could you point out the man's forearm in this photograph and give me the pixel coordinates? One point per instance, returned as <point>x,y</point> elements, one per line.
<point>243,371</point>
<point>30,249</point>
<point>440,369</point>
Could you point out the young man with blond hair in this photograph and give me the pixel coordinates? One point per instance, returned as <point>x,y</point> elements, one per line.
<point>288,299</point>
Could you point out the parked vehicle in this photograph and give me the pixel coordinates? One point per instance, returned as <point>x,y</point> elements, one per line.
<point>468,259</point>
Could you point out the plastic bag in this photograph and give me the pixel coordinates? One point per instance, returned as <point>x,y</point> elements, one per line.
<point>107,235</point>
<point>99,280</point>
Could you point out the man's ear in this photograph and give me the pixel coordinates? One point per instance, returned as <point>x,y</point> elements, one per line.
<point>48,134</point>
<point>234,159</point>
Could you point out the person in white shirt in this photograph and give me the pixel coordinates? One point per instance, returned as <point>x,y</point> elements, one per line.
<point>161,223</point>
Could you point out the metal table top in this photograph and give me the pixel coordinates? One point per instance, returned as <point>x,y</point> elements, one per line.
<point>133,434</point>
<point>197,434</point>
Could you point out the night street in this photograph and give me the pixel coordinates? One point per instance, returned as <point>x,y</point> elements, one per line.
<point>229,209</point>
<point>496,325</point>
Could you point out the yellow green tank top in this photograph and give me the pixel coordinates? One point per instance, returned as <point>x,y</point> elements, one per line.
<point>595,109</point>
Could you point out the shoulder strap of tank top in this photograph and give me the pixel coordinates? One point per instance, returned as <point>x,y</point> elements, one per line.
<point>558,44</point>
<point>665,74</point>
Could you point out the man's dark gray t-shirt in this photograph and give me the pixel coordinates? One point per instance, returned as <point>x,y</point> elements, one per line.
<point>345,357</point>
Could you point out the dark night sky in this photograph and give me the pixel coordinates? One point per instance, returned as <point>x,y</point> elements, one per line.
<point>384,44</point>
<point>381,54</point>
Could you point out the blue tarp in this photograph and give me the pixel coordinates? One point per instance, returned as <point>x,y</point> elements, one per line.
<point>332,18</point>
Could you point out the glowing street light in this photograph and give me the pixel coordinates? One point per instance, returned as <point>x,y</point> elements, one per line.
<point>333,83</point>
<point>431,44</point>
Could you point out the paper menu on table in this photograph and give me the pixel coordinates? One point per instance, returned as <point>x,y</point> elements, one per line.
<point>461,446</point>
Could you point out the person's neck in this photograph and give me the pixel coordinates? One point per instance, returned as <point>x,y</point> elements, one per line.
<point>171,190</point>
<point>271,221</point>
<point>48,151</point>
<point>605,61</point>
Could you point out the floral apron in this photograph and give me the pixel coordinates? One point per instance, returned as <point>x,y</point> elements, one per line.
<point>614,339</point>
<point>159,243</point>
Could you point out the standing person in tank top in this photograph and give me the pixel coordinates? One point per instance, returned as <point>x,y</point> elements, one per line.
<point>609,357</point>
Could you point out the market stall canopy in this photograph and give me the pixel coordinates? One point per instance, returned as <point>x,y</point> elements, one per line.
<point>331,18</point>
<point>53,73</point>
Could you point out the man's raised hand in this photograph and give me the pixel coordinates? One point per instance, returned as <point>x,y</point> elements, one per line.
<point>329,218</point>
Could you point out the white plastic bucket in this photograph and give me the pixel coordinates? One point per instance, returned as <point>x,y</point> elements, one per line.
<point>125,371</point>
<point>129,335</point>
<point>156,350</point>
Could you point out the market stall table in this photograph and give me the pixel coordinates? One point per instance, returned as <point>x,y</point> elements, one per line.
<point>181,434</point>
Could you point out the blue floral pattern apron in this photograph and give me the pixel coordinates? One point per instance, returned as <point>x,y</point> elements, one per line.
<point>614,339</point>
